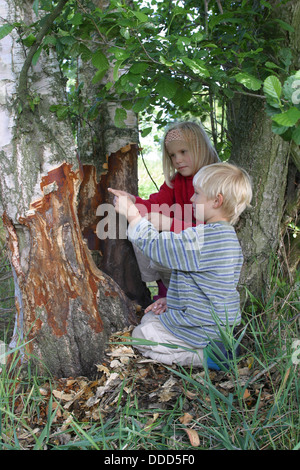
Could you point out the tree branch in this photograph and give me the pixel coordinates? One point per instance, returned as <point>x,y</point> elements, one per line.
<point>22,89</point>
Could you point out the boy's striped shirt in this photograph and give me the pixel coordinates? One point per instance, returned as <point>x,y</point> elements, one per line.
<point>206,262</point>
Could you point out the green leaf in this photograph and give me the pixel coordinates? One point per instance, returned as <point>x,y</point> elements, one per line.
<point>98,76</point>
<point>285,26</point>
<point>140,16</point>
<point>120,116</point>
<point>138,67</point>
<point>36,56</point>
<point>116,69</point>
<point>197,66</point>
<point>272,87</point>
<point>85,53</point>
<point>119,53</point>
<point>288,118</point>
<point>146,131</point>
<point>278,129</point>
<point>249,81</point>
<point>76,19</point>
<point>182,97</point>
<point>166,88</point>
<point>141,104</point>
<point>29,40</point>
<point>35,7</point>
<point>5,30</point>
<point>296,135</point>
<point>99,60</point>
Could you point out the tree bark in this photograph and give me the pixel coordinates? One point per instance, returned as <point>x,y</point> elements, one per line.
<point>271,163</point>
<point>66,308</point>
<point>265,156</point>
<point>70,307</point>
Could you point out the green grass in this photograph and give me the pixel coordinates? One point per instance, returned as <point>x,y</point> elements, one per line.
<point>258,411</point>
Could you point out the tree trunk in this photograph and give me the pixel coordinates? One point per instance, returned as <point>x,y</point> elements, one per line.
<point>66,308</point>
<point>271,163</point>
<point>109,157</point>
<point>265,156</point>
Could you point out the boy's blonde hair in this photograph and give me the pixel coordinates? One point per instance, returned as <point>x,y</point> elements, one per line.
<point>200,147</point>
<point>232,182</point>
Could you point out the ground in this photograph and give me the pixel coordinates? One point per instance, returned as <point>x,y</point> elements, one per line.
<point>131,388</point>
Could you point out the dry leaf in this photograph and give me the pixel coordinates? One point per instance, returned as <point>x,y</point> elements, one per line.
<point>62,395</point>
<point>247,394</point>
<point>193,437</point>
<point>166,395</point>
<point>151,421</point>
<point>122,351</point>
<point>104,369</point>
<point>186,418</point>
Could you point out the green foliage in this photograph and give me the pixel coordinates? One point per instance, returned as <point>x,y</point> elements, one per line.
<point>179,60</point>
<point>284,106</point>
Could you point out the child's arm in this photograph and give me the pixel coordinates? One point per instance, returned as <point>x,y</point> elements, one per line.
<point>124,205</point>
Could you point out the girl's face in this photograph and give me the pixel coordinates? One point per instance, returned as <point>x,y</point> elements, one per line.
<point>180,156</point>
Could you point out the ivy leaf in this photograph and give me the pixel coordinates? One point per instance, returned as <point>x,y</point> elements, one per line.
<point>249,81</point>
<point>289,118</point>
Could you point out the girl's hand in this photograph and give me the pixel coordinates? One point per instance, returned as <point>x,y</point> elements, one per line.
<point>158,307</point>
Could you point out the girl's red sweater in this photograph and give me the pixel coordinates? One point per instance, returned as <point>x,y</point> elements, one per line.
<point>173,202</point>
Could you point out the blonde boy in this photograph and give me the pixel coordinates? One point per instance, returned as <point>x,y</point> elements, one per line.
<point>203,284</point>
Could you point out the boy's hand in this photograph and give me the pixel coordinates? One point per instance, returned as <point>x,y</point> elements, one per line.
<point>124,205</point>
<point>158,307</point>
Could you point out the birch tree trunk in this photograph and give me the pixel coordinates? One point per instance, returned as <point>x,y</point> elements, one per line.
<point>66,307</point>
<point>109,156</point>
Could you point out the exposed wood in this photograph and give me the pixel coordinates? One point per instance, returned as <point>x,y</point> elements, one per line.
<point>117,257</point>
<point>69,306</point>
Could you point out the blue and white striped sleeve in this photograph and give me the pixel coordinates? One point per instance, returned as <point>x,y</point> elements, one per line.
<point>172,250</point>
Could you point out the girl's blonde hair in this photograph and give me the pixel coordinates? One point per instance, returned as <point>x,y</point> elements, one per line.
<point>200,147</point>
<point>232,182</point>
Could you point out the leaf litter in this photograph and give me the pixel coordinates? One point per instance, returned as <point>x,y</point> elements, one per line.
<point>126,376</point>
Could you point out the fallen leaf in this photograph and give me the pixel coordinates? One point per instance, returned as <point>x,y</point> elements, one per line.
<point>247,394</point>
<point>60,395</point>
<point>193,437</point>
<point>102,368</point>
<point>186,418</point>
<point>122,351</point>
<point>165,395</point>
<point>151,421</point>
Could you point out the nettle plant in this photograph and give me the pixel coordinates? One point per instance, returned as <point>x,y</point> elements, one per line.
<point>283,106</point>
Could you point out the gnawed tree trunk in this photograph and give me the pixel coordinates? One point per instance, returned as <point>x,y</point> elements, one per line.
<point>70,307</point>
<point>66,307</point>
<point>109,157</point>
<point>113,255</point>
